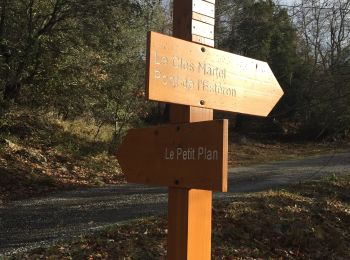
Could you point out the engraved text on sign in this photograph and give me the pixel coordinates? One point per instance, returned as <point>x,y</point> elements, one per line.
<point>192,74</point>
<point>183,155</point>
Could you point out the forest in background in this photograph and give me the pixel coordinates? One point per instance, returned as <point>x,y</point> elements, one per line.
<point>85,59</point>
<point>72,81</point>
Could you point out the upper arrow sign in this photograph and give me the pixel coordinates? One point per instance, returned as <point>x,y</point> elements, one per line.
<point>187,73</point>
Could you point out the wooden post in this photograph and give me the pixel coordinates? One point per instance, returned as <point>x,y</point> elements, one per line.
<point>189,224</point>
<point>189,210</point>
<point>181,72</point>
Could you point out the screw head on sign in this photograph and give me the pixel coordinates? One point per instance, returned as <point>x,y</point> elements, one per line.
<point>202,102</point>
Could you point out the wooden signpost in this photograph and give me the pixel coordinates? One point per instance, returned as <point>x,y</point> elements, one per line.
<point>188,157</point>
<point>185,73</point>
<point>185,156</point>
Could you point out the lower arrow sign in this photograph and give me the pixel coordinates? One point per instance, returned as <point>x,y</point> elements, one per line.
<point>185,155</point>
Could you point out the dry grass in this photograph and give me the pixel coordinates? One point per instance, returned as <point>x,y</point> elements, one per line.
<point>39,154</point>
<point>255,152</point>
<point>306,221</point>
<point>86,129</point>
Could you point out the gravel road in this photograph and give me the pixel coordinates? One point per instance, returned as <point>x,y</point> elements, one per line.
<point>31,223</point>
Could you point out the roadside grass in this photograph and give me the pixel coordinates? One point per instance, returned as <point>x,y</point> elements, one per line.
<point>255,152</point>
<point>40,153</point>
<point>305,221</point>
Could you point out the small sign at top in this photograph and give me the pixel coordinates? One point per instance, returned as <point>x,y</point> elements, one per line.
<point>204,7</point>
<point>210,1</point>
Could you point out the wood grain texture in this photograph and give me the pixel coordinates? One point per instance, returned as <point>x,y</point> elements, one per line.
<point>203,18</point>
<point>202,29</point>
<point>189,221</point>
<point>180,155</point>
<point>199,224</point>
<point>192,74</point>
<point>203,40</point>
<point>182,19</point>
<point>178,203</point>
<point>204,8</point>
<point>180,113</point>
<point>184,225</point>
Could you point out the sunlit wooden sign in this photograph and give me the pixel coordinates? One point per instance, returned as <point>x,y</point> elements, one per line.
<point>191,159</point>
<point>188,73</point>
<point>185,155</point>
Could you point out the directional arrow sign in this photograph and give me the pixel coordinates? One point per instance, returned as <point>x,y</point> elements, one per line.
<point>187,73</point>
<point>186,156</point>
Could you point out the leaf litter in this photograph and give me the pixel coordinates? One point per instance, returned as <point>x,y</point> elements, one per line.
<point>305,221</point>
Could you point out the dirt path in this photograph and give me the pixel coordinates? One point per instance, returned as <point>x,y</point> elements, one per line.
<point>37,222</point>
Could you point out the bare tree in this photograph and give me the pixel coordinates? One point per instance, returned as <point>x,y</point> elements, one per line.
<point>324,29</point>
<point>324,26</point>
